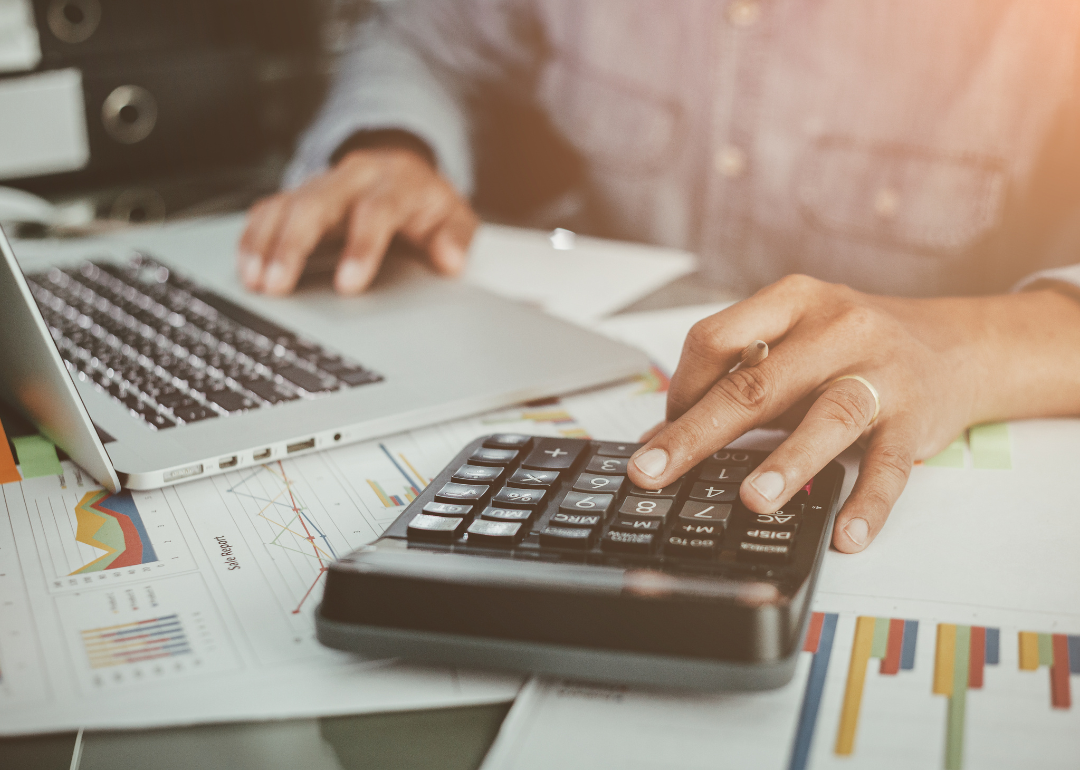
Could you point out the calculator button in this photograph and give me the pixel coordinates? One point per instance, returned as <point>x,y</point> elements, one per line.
<point>725,474</point>
<point>580,502</point>
<point>508,441</point>
<point>460,493</point>
<point>713,493</point>
<point>612,449</point>
<point>732,457</point>
<point>671,490</point>
<point>526,478</point>
<point>714,531</point>
<point>782,519</point>
<point>767,552</point>
<point>554,453</point>
<point>640,507</point>
<point>612,466</point>
<point>506,514</point>
<point>484,532</point>
<point>628,542</point>
<point>769,535</point>
<point>562,519</point>
<point>638,525</point>
<point>487,456</point>
<point>707,512</point>
<point>435,528</point>
<point>478,474</point>
<point>447,509</point>
<point>694,547</point>
<point>565,537</point>
<point>589,482</point>
<point>512,497</point>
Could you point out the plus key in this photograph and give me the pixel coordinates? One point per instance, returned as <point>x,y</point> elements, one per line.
<point>554,454</point>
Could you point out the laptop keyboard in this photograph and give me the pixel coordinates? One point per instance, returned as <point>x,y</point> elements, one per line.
<point>174,352</point>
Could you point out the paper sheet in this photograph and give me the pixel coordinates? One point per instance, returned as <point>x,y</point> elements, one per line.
<point>20,48</point>
<point>195,603</point>
<point>591,280</point>
<point>659,333</point>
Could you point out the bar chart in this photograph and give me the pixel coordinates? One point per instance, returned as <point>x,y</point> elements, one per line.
<point>413,481</point>
<point>138,642</point>
<point>961,654</point>
<point>1060,654</point>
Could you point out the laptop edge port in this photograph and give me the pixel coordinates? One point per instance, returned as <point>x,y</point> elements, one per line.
<point>300,446</point>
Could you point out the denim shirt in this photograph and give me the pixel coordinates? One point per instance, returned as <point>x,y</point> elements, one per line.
<point>904,147</point>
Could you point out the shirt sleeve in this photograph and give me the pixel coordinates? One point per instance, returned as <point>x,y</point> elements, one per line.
<point>414,66</point>
<point>1066,279</point>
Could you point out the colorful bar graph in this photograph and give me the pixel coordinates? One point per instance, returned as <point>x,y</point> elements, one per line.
<point>8,471</point>
<point>961,654</point>
<point>37,456</point>
<point>414,482</point>
<point>819,641</point>
<point>1060,653</point>
<point>135,642</point>
<point>890,640</point>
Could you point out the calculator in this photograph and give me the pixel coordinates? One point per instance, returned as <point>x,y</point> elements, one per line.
<point>538,554</point>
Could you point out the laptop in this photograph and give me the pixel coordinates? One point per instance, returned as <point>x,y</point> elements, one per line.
<point>150,369</point>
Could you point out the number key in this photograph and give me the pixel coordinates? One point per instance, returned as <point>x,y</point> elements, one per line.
<point>671,490</point>
<point>714,493</point>
<point>580,502</point>
<point>640,507</point>
<point>608,465</point>
<point>588,482</point>
<point>726,474</point>
<point>705,512</point>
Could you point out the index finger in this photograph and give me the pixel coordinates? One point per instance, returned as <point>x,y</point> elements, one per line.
<point>736,403</point>
<point>713,345</point>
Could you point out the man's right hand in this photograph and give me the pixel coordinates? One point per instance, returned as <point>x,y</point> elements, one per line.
<point>369,196</point>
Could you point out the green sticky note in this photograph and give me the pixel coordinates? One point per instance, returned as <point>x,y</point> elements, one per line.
<point>37,456</point>
<point>951,456</point>
<point>990,446</point>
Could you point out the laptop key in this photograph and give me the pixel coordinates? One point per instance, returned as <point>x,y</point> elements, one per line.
<point>229,400</point>
<point>194,413</point>
<point>302,378</point>
<point>268,391</point>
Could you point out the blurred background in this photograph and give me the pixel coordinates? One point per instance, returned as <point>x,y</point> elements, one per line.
<point>123,111</point>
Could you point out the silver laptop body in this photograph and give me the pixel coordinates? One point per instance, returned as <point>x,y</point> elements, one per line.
<point>435,349</point>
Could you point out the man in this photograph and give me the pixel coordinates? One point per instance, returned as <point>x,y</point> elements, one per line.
<point>904,148</point>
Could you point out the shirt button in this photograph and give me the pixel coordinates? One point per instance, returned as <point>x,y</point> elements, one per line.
<point>886,202</point>
<point>743,13</point>
<point>730,161</point>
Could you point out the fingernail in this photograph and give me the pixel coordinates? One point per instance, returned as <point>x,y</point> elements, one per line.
<point>250,269</point>
<point>277,278</point>
<point>769,484</point>
<point>857,531</point>
<point>652,463</point>
<point>350,276</point>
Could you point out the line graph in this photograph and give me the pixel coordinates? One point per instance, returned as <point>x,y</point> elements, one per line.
<point>414,482</point>
<point>288,526</point>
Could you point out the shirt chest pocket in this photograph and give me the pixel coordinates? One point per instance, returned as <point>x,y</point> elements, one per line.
<point>917,200</point>
<point>612,121</point>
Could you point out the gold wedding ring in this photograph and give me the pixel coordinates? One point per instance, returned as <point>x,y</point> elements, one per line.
<point>871,388</point>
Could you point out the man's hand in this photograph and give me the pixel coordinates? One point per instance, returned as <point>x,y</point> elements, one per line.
<point>939,366</point>
<point>370,196</point>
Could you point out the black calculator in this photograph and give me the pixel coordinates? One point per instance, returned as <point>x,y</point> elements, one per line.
<point>538,554</point>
